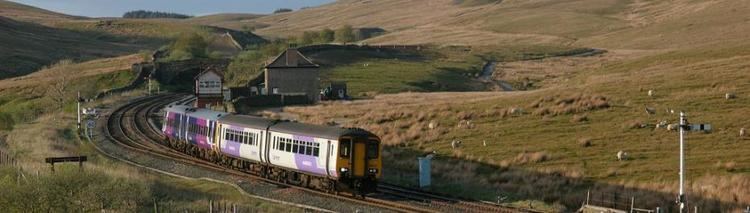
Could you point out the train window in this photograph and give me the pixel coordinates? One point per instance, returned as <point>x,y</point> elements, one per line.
<point>346,144</point>
<point>295,146</point>
<point>316,150</point>
<point>309,150</point>
<point>372,149</point>
<point>288,146</point>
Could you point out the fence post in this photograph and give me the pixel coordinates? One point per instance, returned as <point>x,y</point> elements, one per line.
<point>632,203</point>
<point>588,196</point>
<point>210,207</point>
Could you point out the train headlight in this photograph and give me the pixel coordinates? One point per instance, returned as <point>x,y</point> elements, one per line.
<point>373,170</point>
<point>344,169</point>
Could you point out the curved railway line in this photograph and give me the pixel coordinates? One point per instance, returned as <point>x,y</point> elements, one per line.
<point>130,126</point>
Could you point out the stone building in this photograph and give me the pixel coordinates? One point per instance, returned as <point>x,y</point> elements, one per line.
<point>291,73</point>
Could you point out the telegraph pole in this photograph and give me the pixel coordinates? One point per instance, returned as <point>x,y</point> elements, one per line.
<point>685,126</point>
<point>78,110</point>
<point>681,196</point>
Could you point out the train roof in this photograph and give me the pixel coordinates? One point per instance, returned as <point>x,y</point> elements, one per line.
<point>196,112</point>
<point>247,121</point>
<point>318,131</point>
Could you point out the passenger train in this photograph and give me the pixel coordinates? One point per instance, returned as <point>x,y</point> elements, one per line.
<point>327,158</point>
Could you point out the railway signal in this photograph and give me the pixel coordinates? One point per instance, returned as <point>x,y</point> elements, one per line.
<point>685,126</point>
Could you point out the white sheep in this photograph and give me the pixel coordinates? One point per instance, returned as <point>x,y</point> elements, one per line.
<point>661,124</point>
<point>455,144</point>
<point>516,111</point>
<point>650,110</point>
<point>672,127</point>
<point>432,125</point>
<point>622,155</point>
<point>650,93</point>
<point>484,143</point>
<point>743,132</point>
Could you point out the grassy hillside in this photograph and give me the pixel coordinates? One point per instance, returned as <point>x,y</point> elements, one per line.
<point>27,47</point>
<point>594,23</point>
<point>32,14</point>
<point>237,21</point>
<point>575,127</point>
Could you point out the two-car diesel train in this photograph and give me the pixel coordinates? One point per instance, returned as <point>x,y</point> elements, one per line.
<point>326,158</point>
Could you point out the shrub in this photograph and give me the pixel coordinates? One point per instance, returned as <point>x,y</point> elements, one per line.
<point>188,46</point>
<point>345,34</point>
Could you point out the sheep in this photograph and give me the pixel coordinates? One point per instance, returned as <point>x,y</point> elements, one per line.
<point>455,144</point>
<point>516,111</point>
<point>743,132</point>
<point>661,124</point>
<point>730,96</point>
<point>650,110</point>
<point>432,125</point>
<point>622,155</point>
<point>484,143</point>
<point>650,93</point>
<point>673,127</point>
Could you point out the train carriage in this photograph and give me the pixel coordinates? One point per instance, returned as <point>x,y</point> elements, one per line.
<point>349,156</point>
<point>195,126</point>
<point>243,136</point>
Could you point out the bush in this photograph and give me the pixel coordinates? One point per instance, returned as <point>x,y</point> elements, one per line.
<point>188,46</point>
<point>327,35</point>
<point>345,34</point>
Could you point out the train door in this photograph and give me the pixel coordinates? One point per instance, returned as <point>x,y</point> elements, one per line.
<point>359,158</point>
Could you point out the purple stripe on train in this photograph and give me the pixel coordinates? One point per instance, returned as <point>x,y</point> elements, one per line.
<point>200,141</point>
<point>309,164</point>
<point>168,130</point>
<point>231,148</point>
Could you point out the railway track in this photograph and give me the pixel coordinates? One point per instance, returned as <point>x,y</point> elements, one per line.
<point>131,126</point>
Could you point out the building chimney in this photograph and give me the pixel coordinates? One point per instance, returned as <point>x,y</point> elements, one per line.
<point>292,57</point>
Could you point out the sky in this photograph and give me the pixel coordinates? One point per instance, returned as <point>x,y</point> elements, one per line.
<point>115,8</point>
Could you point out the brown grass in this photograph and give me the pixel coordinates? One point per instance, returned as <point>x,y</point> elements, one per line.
<point>571,104</point>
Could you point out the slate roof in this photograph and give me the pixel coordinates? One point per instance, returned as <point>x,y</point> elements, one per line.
<point>291,58</point>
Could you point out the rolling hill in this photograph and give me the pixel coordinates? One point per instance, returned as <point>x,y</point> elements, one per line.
<point>26,47</point>
<point>594,23</point>
<point>32,14</point>
<point>34,38</point>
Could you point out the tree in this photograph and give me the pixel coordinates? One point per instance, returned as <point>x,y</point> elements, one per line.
<point>58,88</point>
<point>326,35</point>
<point>188,46</point>
<point>309,37</point>
<point>345,34</point>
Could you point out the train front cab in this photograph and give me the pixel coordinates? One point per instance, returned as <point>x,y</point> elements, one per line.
<point>359,162</point>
